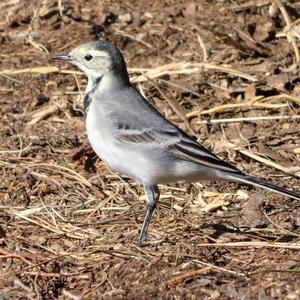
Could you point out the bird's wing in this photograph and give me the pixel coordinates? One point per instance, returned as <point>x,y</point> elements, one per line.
<point>138,122</point>
<point>176,142</point>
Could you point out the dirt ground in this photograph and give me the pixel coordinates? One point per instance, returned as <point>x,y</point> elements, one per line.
<point>227,72</point>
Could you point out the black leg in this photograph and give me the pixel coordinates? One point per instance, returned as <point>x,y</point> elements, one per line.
<point>152,196</point>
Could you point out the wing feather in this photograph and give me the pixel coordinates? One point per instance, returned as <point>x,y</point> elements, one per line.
<point>178,143</point>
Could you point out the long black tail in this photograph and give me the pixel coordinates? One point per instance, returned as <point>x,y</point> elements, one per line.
<point>264,184</point>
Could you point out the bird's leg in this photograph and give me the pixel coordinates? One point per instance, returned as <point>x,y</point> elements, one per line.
<point>152,196</point>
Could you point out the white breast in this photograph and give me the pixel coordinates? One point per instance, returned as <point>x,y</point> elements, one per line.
<point>107,147</point>
<point>99,135</point>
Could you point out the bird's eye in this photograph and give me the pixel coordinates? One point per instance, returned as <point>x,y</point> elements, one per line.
<point>88,57</point>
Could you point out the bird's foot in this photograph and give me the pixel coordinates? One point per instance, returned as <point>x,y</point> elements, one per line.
<point>149,238</point>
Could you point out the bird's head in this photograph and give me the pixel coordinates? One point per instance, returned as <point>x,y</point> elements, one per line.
<point>97,59</point>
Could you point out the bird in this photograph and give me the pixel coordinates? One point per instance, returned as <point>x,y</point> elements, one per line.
<point>133,138</point>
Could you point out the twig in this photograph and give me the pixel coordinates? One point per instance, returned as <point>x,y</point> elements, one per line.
<point>248,119</point>
<point>170,83</point>
<point>122,33</point>
<point>259,244</point>
<point>60,169</point>
<point>218,268</point>
<point>182,277</point>
<point>274,271</point>
<point>74,175</point>
<point>250,103</point>
<point>45,112</point>
<point>6,254</point>
<point>10,78</point>
<point>175,106</point>
<point>60,7</point>
<point>16,151</point>
<point>168,69</point>
<point>202,45</point>
<point>295,170</point>
<point>188,68</point>
<point>250,4</point>
<point>285,231</point>
<point>39,70</point>
<point>290,36</point>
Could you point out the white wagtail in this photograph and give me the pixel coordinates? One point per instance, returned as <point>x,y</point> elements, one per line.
<point>133,138</point>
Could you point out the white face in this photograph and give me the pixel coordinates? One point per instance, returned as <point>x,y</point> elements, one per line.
<point>99,59</point>
<point>92,62</point>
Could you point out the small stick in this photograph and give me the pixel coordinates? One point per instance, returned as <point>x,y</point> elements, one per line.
<point>122,33</point>
<point>182,277</point>
<point>259,244</point>
<point>170,83</point>
<point>250,4</point>
<point>60,7</point>
<point>39,70</point>
<point>188,68</point>
<point>218,268</point>
<point>175,106</point>
<point>44,113</point>
<point>248,119</point>
<point>289,35</point>
<point>289,170</point>
<point>168,69</point>
<point>250,103</point>
<point>202,45</point>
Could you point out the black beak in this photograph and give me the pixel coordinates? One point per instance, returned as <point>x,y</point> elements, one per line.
<point>65,57</point>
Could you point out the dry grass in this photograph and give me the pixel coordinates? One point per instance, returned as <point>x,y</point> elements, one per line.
<point>69,224</point>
